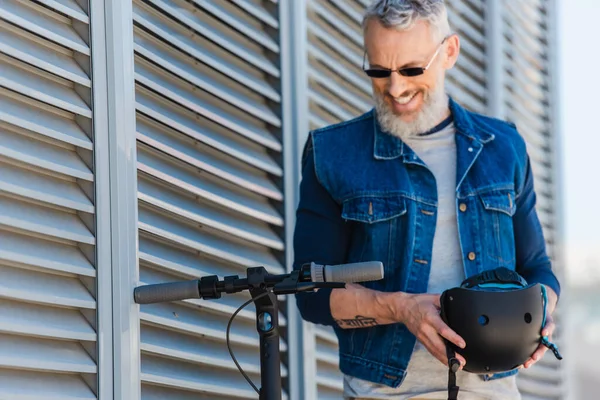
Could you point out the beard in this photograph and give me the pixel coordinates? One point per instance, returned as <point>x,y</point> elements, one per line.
<point>433,110</point>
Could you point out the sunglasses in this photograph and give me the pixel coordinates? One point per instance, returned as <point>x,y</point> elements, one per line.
<point>409,71</point>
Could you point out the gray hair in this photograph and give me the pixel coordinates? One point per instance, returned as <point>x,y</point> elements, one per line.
<point>404,14</point>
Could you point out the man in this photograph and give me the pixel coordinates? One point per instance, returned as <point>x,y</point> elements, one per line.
<point>435,192</point>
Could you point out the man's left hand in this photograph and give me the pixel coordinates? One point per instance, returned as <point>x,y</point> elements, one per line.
<point>541,350</point>
<point>548,330</point>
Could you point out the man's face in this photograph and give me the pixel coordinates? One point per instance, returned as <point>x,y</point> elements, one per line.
<point>409,103</point>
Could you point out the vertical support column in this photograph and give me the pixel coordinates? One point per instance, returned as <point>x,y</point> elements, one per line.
<point>123,197</point>
<point>556,130</point>
<point>495,58</point>
<point>294,66</point>
<point>102,201</point>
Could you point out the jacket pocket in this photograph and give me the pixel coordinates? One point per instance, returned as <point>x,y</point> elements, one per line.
<point>373,209</point>
<point>376,223</point>
<point>497,233</point>
<point>501,201</point>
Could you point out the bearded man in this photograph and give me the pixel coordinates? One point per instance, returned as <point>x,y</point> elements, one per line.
<point>435,192</point>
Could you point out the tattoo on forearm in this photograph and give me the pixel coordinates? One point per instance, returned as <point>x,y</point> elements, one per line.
<point>357,322</point>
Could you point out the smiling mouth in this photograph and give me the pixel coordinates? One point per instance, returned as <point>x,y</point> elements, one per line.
<point>403,100</point>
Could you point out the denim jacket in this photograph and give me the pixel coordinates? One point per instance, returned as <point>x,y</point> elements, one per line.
<point>366,196</point>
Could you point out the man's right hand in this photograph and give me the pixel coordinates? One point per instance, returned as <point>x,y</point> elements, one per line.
<point>421,315</point>
<point>356,306</point>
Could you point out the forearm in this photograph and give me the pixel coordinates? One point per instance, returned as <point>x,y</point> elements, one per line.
<point>359,307</point>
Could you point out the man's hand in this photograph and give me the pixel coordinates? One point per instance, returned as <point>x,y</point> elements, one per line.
<point>358,307</point>
<point>541,350</point>
<point>421,315</point>
<point>548,329</point>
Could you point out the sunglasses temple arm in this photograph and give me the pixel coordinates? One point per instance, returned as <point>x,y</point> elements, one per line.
<point>432,58</point>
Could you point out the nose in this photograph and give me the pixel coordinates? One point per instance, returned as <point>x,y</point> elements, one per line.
<point>397,84</point>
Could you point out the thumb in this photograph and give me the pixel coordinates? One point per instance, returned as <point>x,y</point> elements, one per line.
<point>549,327</point>
<point>436,301</point>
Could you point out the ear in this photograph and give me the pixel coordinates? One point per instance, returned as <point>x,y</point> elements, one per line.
<point>452,51</point>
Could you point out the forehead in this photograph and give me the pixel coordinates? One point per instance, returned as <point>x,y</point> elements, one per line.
<point>406,45</point>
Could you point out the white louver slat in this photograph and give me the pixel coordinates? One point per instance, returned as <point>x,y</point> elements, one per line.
<point>467,82</point>
<point>47,211</point>
<point>209,184</point>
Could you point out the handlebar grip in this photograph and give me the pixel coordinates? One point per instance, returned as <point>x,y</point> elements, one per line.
<point>163,292</point>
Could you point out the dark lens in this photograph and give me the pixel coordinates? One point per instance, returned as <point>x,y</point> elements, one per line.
<point>411,71</point>
<point>378,73</point>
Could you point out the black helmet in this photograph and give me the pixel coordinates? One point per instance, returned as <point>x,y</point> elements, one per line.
<point>500,317</point>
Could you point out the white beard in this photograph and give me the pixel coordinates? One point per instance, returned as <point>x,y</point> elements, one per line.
<point>435,106</point>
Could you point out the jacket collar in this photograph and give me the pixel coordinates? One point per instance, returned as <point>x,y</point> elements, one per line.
<point>387,146</point>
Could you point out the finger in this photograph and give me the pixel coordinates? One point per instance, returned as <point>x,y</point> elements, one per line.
<point>440,348</point>
<point>549,328</point>
<point>446,332</point>
<point>432,349</point>
<point>462,360</point>
<point>535,357</point>
<point>436,301</point>
<point>438,354</point>
<point>434,345</point>
<point>529,363</point>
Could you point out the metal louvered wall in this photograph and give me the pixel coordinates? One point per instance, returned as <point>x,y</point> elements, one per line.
<point>48,329</point>
<point>215,141</point>
<point>209,183</point>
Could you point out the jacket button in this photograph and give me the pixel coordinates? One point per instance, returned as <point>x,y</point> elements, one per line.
<point>471,256</point>
<point>463,207</point>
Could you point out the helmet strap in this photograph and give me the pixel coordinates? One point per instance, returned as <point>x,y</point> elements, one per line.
<point>453,366</point>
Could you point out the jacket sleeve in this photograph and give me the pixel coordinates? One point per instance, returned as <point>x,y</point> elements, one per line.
<point>533,262</point>
<point>321,235</point>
